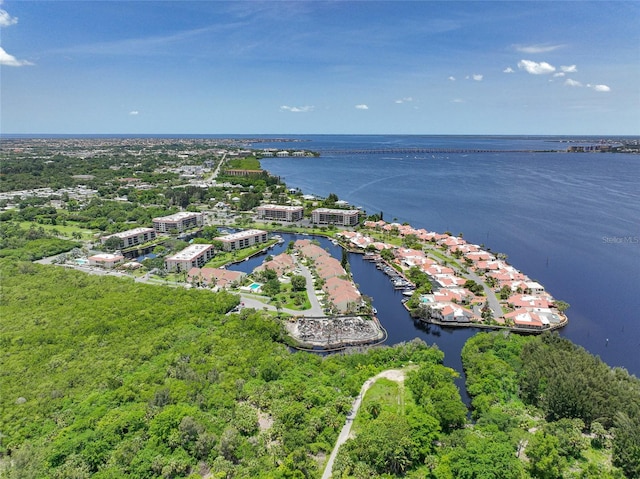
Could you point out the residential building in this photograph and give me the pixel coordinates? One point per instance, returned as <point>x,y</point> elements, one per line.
<point>280,212</point>
<point>106,260</point>
<point>132,237</point>
<point>328,216</point>
<point>242,239</point>
<point>281,264</point>
<point>215,277</point>
<point>179,221</point>
<point>193,256</point>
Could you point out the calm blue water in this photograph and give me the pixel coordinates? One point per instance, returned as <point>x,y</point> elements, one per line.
<point>570,221</point>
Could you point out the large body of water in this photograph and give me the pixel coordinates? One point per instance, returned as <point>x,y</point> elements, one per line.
<point>570,221</point>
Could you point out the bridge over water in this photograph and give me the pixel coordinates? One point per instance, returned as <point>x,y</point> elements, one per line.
<point>429,151</point>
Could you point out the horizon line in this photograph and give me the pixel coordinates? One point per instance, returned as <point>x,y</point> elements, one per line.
<point>168,135</point>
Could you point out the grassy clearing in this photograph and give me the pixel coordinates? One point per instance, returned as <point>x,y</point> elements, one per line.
<point>384,395</point>
<point>61,230</point>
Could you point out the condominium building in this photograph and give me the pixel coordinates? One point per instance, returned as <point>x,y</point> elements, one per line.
<point>328,216</point>
<point>178,221</point>
<point>242,239</point>
<point>280,212</point>
<point>132,237</point>
<point>194,256</point>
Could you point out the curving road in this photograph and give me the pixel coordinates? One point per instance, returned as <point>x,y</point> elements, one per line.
<point>392,374</point>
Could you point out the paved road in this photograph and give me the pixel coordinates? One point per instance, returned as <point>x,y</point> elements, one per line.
<point>393,374</point>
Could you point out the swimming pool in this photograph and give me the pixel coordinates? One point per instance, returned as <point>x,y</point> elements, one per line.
<point>254,287</point>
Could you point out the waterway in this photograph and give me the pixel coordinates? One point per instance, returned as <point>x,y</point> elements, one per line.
<point>391,313</point>
<point>570,221</point>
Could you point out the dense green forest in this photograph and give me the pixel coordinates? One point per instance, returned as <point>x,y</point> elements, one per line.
<point>104,377</point>
<point>561,408</point>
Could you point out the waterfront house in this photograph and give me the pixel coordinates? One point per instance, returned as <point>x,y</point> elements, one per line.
<point>328,267</point>
<point>527,301</point>
<point>308,249</point>
<point>452,313</point>
<point>527,319</point>
<point>281,264</point>
<point>476,256</point>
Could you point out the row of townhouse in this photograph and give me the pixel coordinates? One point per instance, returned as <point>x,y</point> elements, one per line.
<point>217,278</point>
<point>282,264</point>
<point>340,292</point>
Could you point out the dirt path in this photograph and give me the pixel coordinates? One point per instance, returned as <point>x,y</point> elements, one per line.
<point>397,375</point>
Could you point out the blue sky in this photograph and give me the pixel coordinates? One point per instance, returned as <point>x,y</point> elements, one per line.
<point>275,67</point>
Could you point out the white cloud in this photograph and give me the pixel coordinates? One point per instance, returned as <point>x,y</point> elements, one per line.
<point>7,20</point>
<point>535,68</point>
<point>570,82</point>
<point>452,78</point>
<point>297,109</point>
<point>134,112</point>
<point>11,61</point>
<point>559,74</point>
<point>508,70</point>
<point>477,77</point>
<point>536,48</point>
<point>362,107</point>
<point>457,100</point>
<point>569,68</point>
<point>602,88</point>
<point>407,99</point>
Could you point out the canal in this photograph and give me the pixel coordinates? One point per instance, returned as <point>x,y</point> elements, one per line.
<point>387,300</point>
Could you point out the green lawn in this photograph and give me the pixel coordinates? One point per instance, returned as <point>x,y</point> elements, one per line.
<point>223,258</point>
<point>388,395</point>
<point>63,230</point>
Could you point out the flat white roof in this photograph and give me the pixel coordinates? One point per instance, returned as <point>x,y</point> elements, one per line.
<point>132,232</point>
<point>178,216</point>
<point>335,211</point>
<point>106,257</point>
<point>241,235</point>
<point>190,252</point>
<point>281,207</point>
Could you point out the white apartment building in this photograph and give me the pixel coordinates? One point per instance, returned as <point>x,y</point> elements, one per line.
<point>242,239</point>
<point>280,212</point>
<point>328,216</point>
<point>132,237</point>
<point>193,256</point>
<point>179,221</point>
